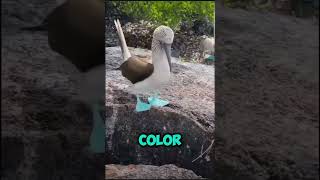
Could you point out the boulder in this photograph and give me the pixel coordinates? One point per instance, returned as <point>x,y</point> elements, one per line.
<point>168,171</point>
<point>267,108</point>
<point>190,113</point>
<point>44,129</point>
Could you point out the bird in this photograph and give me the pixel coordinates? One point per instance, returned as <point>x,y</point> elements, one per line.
<point>76,31</point>
<point>146,76</point>
<point>207,48</point>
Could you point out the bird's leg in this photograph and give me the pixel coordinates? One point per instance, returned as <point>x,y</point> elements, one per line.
<point>157,102</point>
<point>97,137</point>
<point>141,106</point>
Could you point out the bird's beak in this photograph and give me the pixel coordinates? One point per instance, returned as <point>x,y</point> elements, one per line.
<point>167,49</point>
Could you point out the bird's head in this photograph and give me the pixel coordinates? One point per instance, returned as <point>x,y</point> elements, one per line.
<point>164,35</point>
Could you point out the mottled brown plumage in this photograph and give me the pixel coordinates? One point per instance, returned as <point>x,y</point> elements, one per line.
<point>136,69</point>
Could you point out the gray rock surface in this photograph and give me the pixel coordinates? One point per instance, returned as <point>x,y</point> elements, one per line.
<point>44,127</point>
<point>190,113</point>
<point>168,171</point>
<point>267,113</point>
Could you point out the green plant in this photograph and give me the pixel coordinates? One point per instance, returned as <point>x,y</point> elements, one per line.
<point>170,13</point>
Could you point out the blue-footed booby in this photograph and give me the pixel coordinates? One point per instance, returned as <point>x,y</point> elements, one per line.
<point>76,31</point>
<point>207,48</point>
<point>147,77</point>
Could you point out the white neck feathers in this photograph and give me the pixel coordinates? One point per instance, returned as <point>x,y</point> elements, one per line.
<point>159,58</point>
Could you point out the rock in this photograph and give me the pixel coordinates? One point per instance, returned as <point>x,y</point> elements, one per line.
<point>12,156</point>
<point>190,113</point>
<point>139,34</point>
<point>45,129</point>
<point>44,125</point>
<point>267,118</point>
<point>203,27</point>
<point>113,13</point>
<point>20,13</point>
<point>283,6</point>
<point>169,171</point>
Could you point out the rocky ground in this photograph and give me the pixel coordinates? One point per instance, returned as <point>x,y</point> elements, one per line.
<point>267,116</point>
<point>148,172</point>
<point>44,128</point>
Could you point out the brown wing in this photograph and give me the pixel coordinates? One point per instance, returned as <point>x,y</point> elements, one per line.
<point>135,69</point>
<point>144,58</point>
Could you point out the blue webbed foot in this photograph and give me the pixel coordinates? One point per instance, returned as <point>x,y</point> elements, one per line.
<point>141,106</point>
<point>154,101</point>
<point>210,58</point>
<point>97,137</point>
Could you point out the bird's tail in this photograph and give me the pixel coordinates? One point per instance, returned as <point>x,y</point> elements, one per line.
<point>124,48</point>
